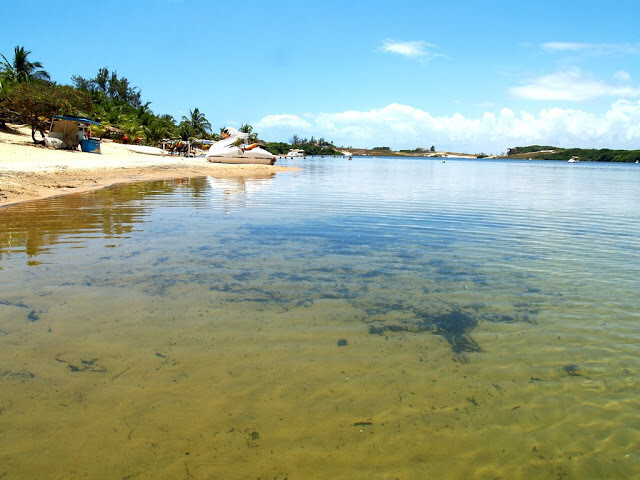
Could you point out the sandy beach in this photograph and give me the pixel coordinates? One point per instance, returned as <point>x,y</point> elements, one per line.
<point>29,172</point>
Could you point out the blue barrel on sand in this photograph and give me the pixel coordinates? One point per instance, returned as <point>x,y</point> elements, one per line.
<point>90,145</point>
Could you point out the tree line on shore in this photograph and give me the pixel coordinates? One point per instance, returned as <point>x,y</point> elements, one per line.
<point>547,152</point>
<point>29,96</point>
<point>310,146</point>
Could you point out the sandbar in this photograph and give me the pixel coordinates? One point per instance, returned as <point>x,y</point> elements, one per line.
<point>30,172</point>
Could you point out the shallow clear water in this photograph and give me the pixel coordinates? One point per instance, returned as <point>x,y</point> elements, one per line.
<point>374,318</point>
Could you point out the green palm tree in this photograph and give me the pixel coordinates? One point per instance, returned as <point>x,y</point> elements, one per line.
<point>199,122</point>
<point>185,130</point>
<point>246,128</point>
<point>154,132</point>
<point>22,69</point>
<point>144,114</point>
<point>217,136</point>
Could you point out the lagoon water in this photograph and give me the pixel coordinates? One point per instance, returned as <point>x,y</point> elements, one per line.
<point>367,319</point>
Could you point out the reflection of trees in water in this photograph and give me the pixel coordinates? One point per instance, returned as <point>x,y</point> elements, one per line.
<point>34,226</point>
<point>196,186</point>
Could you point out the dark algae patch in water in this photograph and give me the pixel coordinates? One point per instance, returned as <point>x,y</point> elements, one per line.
<point>572,369</point>
<point>83,365</point>
<point>17,375</point>
<point>453,326</point>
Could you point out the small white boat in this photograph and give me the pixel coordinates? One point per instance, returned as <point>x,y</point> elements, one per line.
<point>233,148</point>
<point>574,160</point>
<point>295,152</point>
<point>146,150</point>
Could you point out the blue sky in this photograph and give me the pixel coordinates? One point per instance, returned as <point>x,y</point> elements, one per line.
<point>460,75</point>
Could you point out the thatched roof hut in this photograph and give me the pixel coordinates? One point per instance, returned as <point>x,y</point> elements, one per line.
<point>112,132</point>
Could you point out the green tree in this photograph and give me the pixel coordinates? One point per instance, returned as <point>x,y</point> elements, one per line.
<point>145,115</point>
<point>21,69</point>
<point>35,102</point>
<point>102,78</point>
<point>217,136</point>
<point>107,86</point>
<point>278,148</point>
<point>199,122</point>
<point>5,87</point>
<point>433,148</point>
<point>158,128</point>
<point>185,130</point>
<point>154,132</point>
<point>118,104</point>
<point>246,128</point>
<point>132,129</point>
<point>169,124</point>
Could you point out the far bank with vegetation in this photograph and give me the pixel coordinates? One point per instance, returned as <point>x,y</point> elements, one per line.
<point>310,147</point>
<point>546,152</point>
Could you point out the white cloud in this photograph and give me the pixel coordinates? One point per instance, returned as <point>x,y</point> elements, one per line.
<point>572,86</point>
<point>563,46</point>
<point>289,121</point>
<point>595,49</point>
<point>413,49</point>
<point>403,126</point>
<point>622,76</point>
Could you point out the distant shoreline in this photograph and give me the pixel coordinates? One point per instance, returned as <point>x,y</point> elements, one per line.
<point>393,153</point>
<point>559,154</point>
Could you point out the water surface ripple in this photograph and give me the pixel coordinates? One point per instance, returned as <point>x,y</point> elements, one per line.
<point>406,318</point>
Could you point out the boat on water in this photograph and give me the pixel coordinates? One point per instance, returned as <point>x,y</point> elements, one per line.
<point>233,148</point>
<point>295,153</point>
<point>574,159</point>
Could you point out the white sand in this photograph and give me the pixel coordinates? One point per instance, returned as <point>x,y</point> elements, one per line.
<point>29,171</point>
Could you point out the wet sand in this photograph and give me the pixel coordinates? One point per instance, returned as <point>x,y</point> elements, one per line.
<point>29,172</point>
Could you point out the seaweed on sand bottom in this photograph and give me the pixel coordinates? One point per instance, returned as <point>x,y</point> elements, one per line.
<point>453,326</point>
